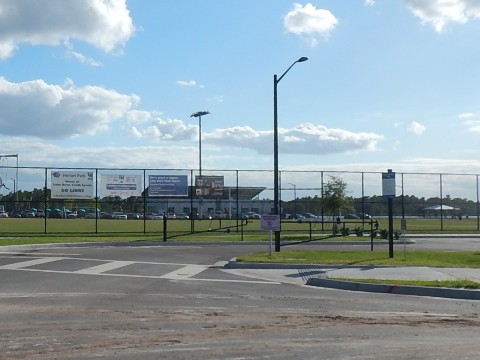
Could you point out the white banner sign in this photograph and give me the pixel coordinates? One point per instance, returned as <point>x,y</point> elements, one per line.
<point>72,184</point>
<point>121,185</point>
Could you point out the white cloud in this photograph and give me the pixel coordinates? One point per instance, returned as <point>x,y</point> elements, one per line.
<point>304,139</point>
<point>466,115</point>
<point>169,129</point>
<point>471,121</point>
<point>307,20</point>
<point>416,128</point>
<point>369,2</point>
<point>187,83</point>
<point>106,24</point>
<point>439,13</point>
<point>83,59</point>
<point>35,108</point>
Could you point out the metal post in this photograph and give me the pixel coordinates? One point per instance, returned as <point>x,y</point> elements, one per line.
<point>390,227</point>
<point>275,160</point>
<point>275,149</point>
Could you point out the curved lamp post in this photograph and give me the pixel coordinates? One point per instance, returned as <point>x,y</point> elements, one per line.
<point>275,148</point>
<point>199,115</point>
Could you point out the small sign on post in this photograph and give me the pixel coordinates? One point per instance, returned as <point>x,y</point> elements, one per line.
<point>271,223</point>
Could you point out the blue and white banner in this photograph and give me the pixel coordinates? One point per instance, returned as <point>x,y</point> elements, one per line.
<point>167,185</point>
<point>121,185</point>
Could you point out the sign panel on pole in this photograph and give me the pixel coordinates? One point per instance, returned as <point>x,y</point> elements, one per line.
<point>72,184</point>
<point>388,184</point>
<point>270,222</point>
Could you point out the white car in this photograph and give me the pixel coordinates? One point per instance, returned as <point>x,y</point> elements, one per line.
<point>119,215</point>
<point>3,214</point>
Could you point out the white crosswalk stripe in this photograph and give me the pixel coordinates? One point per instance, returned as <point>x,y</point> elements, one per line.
<point>99,269</point>
<point>24,264</point>
<point>108,267</point>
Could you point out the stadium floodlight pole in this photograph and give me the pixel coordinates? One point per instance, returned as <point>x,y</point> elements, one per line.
<point>199,115</point>
<point>275,148</point>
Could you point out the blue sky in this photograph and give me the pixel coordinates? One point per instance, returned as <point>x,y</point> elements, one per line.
<point>388,84</point>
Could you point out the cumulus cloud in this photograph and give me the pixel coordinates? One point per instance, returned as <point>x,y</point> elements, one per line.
<point>439,13</point>
<point>307,20</point>
<point>35,108</point>
<point>105,24</point>
<point>304,139</point>
<point>169,129</point>
<point>416,128</point>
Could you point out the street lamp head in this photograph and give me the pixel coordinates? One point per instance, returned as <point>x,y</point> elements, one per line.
<point>302,59</point>
<point>199,113</point>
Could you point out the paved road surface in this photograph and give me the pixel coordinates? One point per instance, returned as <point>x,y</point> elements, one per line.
<point>174,302</point>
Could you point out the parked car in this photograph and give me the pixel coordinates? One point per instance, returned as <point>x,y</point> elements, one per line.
<point>134,216</point>
<point>71,214</point>
<point>90,215</point>
<point>28,214</point>
<point>118,215</point>
<point>250,215</point>
<point>219,215</point>
<point>16,214</point>
<point>40,213</point>
<point>363,216</point>
<point>105,215</point>
<point>307,217</point>
<point>171,216</point>
<point>3,214</point>
<point>351,216</point>
<point>183,216</point>
<point>155,216</point>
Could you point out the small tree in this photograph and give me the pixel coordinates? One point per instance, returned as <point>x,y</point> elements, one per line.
<point>334,196</point>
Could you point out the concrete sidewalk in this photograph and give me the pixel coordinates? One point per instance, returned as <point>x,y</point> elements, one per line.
<point>329,276</point>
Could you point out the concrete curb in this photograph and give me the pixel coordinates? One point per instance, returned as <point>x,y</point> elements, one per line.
<point>464,294</point>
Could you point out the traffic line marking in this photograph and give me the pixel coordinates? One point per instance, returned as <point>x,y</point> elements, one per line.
<point>99,269</point>
<point>185,272</point>
<point>23,264</point>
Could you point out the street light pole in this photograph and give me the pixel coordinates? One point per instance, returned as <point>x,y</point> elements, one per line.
<point>275,149</point>
<point>294,197</point>
<point>14,193</point>
<point>199,115</point>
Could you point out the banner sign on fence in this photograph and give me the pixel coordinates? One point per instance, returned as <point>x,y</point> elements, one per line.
<point>121,185</point>
<point>72,184</point>
<point>167,185</point>
<point>209,186</point>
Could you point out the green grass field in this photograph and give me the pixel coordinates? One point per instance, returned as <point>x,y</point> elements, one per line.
<point>14,230</point>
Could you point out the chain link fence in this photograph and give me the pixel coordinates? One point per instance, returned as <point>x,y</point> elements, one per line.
<point>224,199</point>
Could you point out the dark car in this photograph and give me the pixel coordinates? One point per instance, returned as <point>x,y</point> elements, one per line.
<point>351,216</point>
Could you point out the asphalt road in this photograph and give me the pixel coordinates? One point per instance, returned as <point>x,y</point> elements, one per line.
<point>166,301</point>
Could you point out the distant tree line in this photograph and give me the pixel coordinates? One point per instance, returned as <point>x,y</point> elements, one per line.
<point>334,202</point>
